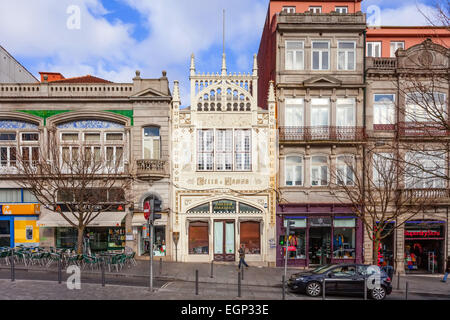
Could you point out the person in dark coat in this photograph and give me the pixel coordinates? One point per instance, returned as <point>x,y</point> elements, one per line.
<point>242,256</point>
<point>447,270</point>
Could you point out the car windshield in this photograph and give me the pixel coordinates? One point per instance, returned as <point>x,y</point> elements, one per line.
<point>322,269</point>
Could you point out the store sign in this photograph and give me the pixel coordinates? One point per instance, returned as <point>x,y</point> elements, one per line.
<point>422,233</point>
<point>222,206</point>
<point>320,222</point>
<point>20,209</point>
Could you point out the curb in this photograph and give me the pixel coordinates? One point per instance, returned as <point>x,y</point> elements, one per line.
<point>431,294</point>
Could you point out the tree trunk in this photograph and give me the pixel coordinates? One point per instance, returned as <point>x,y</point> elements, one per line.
<point>80,239</point>
<point>376,244</point>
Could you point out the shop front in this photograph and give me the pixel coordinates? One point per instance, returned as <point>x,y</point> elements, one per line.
<point>324,236</point>
<point>104,233</point>
<point>424,246</point>
<point>141,232</point>
<point>215,230</point>
<point>18,225</point>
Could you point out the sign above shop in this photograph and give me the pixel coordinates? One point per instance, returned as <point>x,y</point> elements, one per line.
<point>422,233</point>
<point>224,206</point>
<point>320,222</point>
<point>20,209</point>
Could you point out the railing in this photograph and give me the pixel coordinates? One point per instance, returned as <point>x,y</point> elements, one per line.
<point>423,129</point>
<point>322,133</point>
<point>382,63</point>
<point>430,193</point>
<point>151,167</point>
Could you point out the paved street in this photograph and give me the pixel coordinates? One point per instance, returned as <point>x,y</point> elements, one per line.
<point>177,282</point>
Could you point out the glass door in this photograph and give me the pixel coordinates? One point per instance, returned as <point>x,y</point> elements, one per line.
<point>319,245</point>
<point>224,241</point>
<point>5,233</point>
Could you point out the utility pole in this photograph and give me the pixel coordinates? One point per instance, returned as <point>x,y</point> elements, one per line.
<point>151,226</point>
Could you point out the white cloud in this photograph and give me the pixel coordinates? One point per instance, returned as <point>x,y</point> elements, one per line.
<point>405,13</point>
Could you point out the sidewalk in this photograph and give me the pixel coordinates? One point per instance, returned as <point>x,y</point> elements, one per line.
<point>226,274</point>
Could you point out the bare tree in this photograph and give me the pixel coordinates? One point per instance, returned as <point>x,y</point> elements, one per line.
<point>79,183</point>
<point>376,194</point>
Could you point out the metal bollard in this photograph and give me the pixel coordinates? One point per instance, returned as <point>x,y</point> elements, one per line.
<point>284,287</point>
<point>398,281</point>
<point>242,270</point>
<point>59,271</point>
<point>406,292</point>
<point>160,266</point>
<point>323,289</point>
<point>103,273</point>
<point>196,282</point>
<point>212,268</point>
<point>239,284</point>
<point>365,288</point>
<point>13,271</point>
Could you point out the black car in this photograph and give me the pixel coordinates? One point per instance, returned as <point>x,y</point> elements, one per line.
<point>342,279</point>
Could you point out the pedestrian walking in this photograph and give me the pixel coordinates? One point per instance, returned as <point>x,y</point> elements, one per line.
<point>242,256</point>
<point>447,270</point>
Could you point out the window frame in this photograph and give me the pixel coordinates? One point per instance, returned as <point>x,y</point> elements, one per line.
<point>294,55</point>
<point>151,139</point>
<point>392,53</point>
<point>320,106</point>
<point>338,8</point>
<point>340,163</point>
<point>378,105</point>
<point>379,43</point>
<point>346,54</point>
<point>346,106</point>
<point>313,9</point>
<point>288,9</point>
<point>321,51</point>
<point>290,103</point>
<point>314,166</point>
<point>302,166</point>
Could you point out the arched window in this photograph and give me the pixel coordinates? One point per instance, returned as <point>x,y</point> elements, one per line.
<point>152,143</point>
<point>319,171</point>
<point>294,171</point>
<point>345,170</point>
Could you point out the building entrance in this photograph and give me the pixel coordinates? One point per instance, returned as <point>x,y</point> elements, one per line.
<point>319,245</point>
<point>224,241</point>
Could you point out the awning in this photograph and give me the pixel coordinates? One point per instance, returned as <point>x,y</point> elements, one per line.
<point>105,219</point>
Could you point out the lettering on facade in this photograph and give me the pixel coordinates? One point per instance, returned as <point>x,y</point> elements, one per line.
<point>222,181</point>
<point>422,233</point>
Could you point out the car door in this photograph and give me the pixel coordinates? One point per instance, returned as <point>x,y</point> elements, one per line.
<point>353,282</point>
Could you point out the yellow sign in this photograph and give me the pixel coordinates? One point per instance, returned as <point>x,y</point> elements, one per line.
<point>26,231</point>
<point>21,209</point>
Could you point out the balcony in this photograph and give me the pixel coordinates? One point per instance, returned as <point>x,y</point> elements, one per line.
<point>322,134</point>
<point>434,194</point>
<point>423,129</point>
<point>381,63</point>
<point>150,169</point>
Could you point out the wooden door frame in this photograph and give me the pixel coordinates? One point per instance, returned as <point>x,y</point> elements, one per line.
<point>224,256</point>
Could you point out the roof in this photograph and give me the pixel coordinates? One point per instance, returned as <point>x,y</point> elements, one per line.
<point>25,69</point>
<point>84,79</point>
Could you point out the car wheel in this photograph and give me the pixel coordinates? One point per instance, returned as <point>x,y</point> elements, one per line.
<point>313,289</point>
<point>378,293</point>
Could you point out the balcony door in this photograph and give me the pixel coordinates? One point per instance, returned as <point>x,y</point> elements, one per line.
<point>152,143</point>
<point>224,240</point>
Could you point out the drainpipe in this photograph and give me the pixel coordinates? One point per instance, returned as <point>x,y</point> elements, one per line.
<point>364,126</point>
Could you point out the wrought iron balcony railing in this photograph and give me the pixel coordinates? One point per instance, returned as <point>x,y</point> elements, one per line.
<point>423,129</point>
<point>151,168</point>
<point>321,133</point>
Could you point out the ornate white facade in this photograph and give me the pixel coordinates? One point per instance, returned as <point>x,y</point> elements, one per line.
<point>224,170</point>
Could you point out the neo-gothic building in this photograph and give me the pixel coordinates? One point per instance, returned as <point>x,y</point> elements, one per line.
<point>224,170</point>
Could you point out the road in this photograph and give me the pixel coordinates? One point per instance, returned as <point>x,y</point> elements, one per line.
<point>32,284</point>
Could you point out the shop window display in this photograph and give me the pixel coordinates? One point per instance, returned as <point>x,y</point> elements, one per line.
<point>297,239</point>
<point>251,237</point>
<point>198,238</point>
<point>159,247</point>
<point>344,238</point>
<point>386,246</point>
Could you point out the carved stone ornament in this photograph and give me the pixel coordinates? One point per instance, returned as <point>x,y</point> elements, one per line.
<point>426,59</point>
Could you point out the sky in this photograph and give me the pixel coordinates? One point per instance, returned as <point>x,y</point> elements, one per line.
<point>112,39</point>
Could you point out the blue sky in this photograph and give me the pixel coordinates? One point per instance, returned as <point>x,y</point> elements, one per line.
<point>117,37</point>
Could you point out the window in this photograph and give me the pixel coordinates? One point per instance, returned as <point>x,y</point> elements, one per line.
<point>205,150</point>
<point>395,45</point>
<point>383,169</point>
<point>319,171</point>
<point>374,49</point>
<point>224,150</point>
<point>242,150</point>
<point>320,55</point>
<point>10,195</point>
<point>114,137</point>
<point>297,240</point>
<point>346,55</point>
<point>425,170</point>
<point>289,9</point>
<point>345,112</point>
<point>341,9</point>
<point>7,137</point>
<point>8,156</point>
<point>114,157</point>
<point>320,108</point>
<point>384,109</point>
<point>152,143</point>
<point>294,113</point>
<point>69,137</point>
<point>92,137</point>
<point>30,137</point>
<point>198,238</point>
<point>424,107</point>
<point>294,55</point>
<point>294,171</point>
<point>344,238</point>
<point>69,155</point>
<point>251,237</point>
<point>30,155</point>
<point>345,169</point>
<point>315,9</point>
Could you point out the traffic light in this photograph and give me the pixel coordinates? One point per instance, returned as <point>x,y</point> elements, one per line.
<point>289,224</point>
<point>155,206</point>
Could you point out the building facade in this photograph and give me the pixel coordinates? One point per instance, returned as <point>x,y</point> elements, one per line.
<point>316,62</point>
<point>224,164</point>
<point>11,71</point>
<point>128,122</point>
